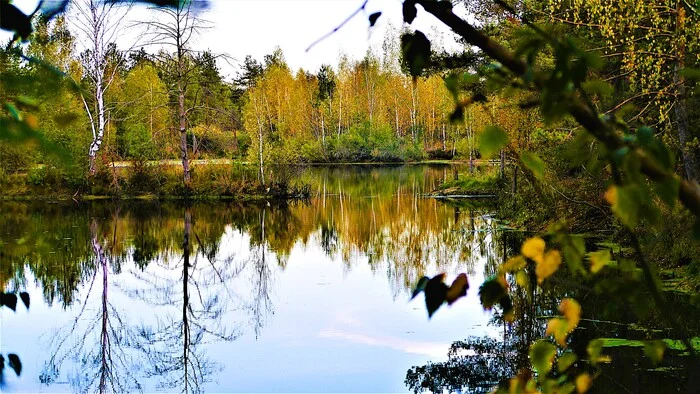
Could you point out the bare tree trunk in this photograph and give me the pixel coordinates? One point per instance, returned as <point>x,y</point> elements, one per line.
<point>323,131</point>
<point>370,97</point>
<point>396,111</point>
<point>470,138</point>
<point>413,112</point>
<point>235,136</point>
<point>260,143</point>
<point>182,117</point>
<point>182,24</point>
<point>340,111</point>
<point>104,331</point>
<point>503,163</point>
<point>443,138</point>
<point>690,157</point>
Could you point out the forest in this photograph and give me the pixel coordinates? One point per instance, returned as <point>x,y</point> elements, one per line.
<point>577,121</point>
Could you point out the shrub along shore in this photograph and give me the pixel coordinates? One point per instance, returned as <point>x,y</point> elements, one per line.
<point>211,179</point>
<point>141,180</point>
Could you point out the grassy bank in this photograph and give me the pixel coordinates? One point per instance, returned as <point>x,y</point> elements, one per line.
<point>482,180</point>
<point>147,181</point>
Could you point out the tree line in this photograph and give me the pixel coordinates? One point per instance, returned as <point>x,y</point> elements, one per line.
<point>94,103</point>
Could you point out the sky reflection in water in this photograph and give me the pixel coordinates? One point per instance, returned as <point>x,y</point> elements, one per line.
<point>315,295</point>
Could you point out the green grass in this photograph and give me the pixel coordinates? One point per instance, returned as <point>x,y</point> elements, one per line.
<point>673,344</point>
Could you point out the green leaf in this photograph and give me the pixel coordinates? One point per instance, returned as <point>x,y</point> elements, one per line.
<point>625,203</point>
<point>27,103</point>
<point>566,360</point>
<point>452,85</point>
<point>645,135</point>
<point>655,350</point>
<point>12,109</point>
<point>601,88</point>
<point>435,293</point>
<point>595,349</point>
<point>373,18</point>
<point>65,119</point>
<point>691,73</point>
<point>660,152</point>
<point>574,248</point>
<point>668,191</point>
<point>542,355</point>
<point>457,116</point>
<point>15,363</point>
<point>506,305</point>
<point>491,140</point>
<point>533,163</point>
<point>491,293</point>
<point>415,49</point>
<point>420,286</point>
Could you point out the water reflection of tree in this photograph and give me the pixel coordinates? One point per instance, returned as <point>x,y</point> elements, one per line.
<point>475,365</point>
<point>98,347</point>
<point>384,220</point>
<point>261,305</point>
<point>173,347</point>
<point>478,364</point>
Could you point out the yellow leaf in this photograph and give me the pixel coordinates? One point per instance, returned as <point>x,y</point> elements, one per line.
<point>533,248</point>
<point>548,265</point>
<point>571,310</point>
<point>583,383</point>
<point>611,195</point>
<point>509,316</point>
<point>458,289</point>
<point>502,280</point>
<point>599,260</point>
<point>32,121</point>
<point>558,328</point>
<point>514,264</point>
<point>522,280</point>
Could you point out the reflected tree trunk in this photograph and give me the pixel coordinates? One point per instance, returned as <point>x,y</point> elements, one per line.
<point>262,304</point>
<point>172,345</point>
<point>186,298</point>
<point>106,367</point>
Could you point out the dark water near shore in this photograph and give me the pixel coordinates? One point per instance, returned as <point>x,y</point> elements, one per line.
<point>227,297</point>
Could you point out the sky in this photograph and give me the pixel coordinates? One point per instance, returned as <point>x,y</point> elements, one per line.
<point>256,27</point>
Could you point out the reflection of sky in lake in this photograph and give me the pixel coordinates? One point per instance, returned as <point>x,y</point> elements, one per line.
<point>329,326</point>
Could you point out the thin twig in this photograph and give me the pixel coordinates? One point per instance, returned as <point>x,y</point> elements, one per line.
<point>330,33</point>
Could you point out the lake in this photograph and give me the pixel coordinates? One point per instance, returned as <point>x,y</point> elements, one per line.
<point>303,297</point>
<point>308,296</point>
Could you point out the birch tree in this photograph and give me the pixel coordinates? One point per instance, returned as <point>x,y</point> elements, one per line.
<point>97,24</point>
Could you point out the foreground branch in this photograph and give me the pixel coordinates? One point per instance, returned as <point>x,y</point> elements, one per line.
<point>689,192</point>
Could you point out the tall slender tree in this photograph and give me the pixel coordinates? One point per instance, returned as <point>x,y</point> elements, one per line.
<point>175,29</point>
<point>97,24</point>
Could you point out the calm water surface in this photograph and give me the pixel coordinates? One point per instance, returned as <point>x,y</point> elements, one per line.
<point>229,297</point>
